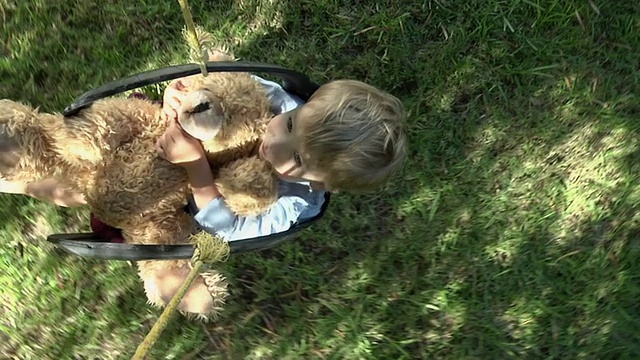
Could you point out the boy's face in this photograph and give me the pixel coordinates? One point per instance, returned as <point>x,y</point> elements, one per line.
<point>281,147</point>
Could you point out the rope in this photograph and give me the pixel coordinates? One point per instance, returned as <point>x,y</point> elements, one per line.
<point>209,249</point>
<point>193,40</point>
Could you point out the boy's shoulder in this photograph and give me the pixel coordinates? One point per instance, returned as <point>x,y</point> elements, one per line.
<point>307,200</point>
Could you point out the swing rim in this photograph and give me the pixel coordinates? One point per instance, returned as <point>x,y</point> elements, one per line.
<point>293,81</point>
<point>90,245</point>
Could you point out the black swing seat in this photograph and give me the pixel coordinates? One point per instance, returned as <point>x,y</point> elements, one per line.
<point>90,245</point>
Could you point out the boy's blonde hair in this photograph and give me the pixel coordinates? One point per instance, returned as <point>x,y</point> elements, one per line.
<point>354,134</point>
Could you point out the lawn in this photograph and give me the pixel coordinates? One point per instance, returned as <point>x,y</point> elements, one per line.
<point>512,231</point>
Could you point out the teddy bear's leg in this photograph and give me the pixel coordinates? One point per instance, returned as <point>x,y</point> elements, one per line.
<point>47,190</point>
<point>35,145</point>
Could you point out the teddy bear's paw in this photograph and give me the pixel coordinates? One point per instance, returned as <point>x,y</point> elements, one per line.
<point>201,115</point>
<point>10,151</point>
<point>218,289</point>
<point>214,305</point>
<point>204,299</point>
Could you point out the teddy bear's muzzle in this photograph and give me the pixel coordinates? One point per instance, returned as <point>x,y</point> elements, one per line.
<point>201,115</point>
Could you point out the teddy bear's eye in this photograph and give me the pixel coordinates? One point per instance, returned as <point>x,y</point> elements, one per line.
<point>290,124</point>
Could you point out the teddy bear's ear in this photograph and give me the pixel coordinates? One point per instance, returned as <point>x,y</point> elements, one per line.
<point>215,51</point>
<point>222,54</point>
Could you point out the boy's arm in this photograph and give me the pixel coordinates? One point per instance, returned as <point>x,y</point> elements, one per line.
<point>201,181</point>
<point>179,148</point>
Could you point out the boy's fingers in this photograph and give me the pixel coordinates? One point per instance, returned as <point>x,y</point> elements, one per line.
<point>176,132</point>
<point>173,124</point>
<point>172,136</point>
<point>159,149</point>
<point>173,84</point>
<point>177,91</point>
<point>171,92</point>
<point>173,102</point>
<point>182,83</point>
<point>169,114</point>
<point>177,124</point>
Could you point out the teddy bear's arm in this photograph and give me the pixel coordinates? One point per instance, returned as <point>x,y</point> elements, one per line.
<point>39,145</point>
<point>248,186</point>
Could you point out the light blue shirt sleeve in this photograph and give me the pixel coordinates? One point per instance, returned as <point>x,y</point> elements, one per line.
<point>281,101</point>
<point>296,200</point>
<point>297,203</point>
<point>217,218</point>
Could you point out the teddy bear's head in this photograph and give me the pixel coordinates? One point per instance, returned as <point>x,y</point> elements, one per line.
<point>201,114</point>
<point>223,105</point>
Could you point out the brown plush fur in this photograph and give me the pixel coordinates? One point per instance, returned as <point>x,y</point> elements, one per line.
<point>107,152</point>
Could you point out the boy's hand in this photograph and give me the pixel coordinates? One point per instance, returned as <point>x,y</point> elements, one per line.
<point>178,147</point>
<point>173,97</point>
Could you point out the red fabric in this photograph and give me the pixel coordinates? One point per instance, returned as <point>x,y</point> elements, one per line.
<point>104,231</point>
<point>139,95</point>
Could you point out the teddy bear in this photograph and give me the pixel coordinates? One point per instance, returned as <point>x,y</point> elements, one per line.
<point>107,152</point>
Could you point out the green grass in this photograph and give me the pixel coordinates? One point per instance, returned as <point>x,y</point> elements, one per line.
<point>512,232</point>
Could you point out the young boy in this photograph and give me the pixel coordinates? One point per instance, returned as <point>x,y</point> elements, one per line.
<point>349,136</point>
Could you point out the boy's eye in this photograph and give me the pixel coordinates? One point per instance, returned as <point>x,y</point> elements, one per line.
<point>289,124</point>
<point>297,159</point>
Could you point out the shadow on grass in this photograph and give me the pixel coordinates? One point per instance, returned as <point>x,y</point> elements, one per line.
<point>486,245</point>
<point>510,231</point>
